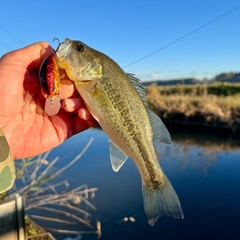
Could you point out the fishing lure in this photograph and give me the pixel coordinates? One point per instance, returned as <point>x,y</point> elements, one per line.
<point>50,82</point>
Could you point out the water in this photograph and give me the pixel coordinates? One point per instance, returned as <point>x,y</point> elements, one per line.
<point>203,168</point>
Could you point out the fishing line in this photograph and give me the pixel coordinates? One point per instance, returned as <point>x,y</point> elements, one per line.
<point>12,35</point>
<point>184,36</point>
<point>5,45</point>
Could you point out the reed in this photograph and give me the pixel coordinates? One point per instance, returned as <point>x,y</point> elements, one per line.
<point>56,203</point>
<point>216,105</point>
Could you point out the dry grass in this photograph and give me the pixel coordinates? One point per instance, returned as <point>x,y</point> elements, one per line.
<point>57,207</point>
<point>193,106</point>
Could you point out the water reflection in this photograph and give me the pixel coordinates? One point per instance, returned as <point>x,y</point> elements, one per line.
<point>202,166</point>
<point>198,147</point>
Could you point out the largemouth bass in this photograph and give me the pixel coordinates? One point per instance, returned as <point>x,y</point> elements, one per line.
<point>117,101</point>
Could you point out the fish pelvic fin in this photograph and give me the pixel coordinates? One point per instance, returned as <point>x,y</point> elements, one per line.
<point>117,156</point>
<point>159,202</point>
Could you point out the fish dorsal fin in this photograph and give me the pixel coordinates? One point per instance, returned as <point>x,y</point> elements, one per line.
<point>138,86</point>
<point>117,156</point>
<point>160,132</point>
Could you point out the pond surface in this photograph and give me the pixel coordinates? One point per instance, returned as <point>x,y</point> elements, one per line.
<point>204,169</point>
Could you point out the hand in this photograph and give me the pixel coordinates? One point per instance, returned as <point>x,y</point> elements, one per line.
<point>28,129</point>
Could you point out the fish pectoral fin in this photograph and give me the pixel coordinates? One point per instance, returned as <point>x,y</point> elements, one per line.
<point>160,132</point>
<point>117,156</point>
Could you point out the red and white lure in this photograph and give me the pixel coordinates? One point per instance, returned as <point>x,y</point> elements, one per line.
<point>50,82</point>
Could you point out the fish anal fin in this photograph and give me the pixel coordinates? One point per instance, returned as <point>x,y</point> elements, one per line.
<point>117,156</point>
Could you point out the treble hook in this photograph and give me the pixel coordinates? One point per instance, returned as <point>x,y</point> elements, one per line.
<point>59,43</point>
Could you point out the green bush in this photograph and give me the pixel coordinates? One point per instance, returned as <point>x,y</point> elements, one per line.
<point>218,89</point>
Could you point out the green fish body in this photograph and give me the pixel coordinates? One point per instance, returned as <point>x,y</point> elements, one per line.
<point>117,101</point>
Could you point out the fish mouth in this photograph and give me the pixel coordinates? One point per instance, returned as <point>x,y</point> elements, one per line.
<point>62,49</point>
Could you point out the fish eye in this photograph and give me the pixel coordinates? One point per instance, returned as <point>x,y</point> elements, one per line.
<point>80,48</point>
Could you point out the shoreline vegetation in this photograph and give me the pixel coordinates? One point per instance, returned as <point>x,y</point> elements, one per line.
<point>215,105</point>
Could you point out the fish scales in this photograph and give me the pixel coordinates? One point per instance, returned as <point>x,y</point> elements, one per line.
<point>117,101</point>
<point>119,128</point>
<point>131,121</point>
<point>141,135</point>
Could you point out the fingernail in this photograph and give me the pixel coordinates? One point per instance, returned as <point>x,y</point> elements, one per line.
<point>70,105</point>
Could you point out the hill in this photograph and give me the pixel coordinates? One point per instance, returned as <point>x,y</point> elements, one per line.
<point>228,77</point>
<point>223,77</point>
<point>187,81</point>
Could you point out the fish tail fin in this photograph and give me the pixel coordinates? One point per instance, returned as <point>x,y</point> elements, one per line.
<point>161,201</point>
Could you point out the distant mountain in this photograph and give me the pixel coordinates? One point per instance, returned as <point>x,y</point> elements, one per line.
<point>187,81</point>
<point>227,77</point>
<point>223,77</point>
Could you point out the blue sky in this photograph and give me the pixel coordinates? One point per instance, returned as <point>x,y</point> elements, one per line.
<point>128,30</point>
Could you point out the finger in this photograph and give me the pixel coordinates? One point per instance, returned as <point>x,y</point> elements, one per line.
<point>62,73</point>
<point>67,89</point>
<point>81,125</point>
<point>84,114</point>
<point>72,104</point>
<point>33,55</point>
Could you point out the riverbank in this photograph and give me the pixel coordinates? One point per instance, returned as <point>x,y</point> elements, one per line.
<point>215,105</point>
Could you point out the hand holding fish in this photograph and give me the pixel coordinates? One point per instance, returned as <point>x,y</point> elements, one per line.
<point>28,129</point>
